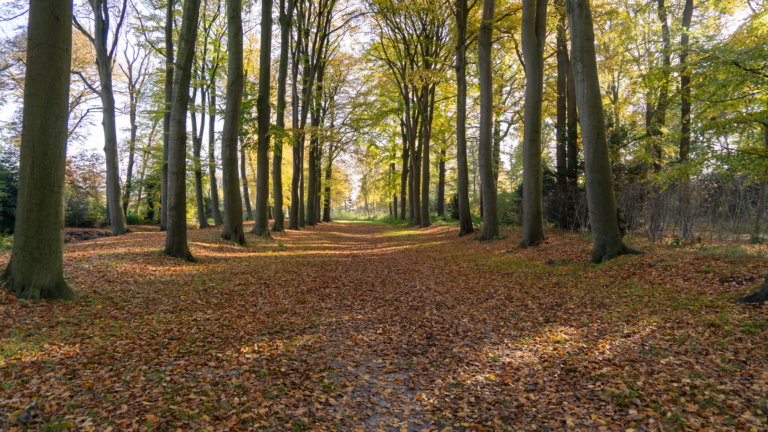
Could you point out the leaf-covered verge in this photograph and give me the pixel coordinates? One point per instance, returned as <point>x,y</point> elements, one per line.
<point>374,327</point>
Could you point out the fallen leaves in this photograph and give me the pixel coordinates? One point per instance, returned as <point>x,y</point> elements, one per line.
<point>357,326</point>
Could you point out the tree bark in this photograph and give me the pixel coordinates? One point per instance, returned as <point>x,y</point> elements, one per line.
<point>441,184</point>
<point>686,222</point>
<point>485,142</point>
<point>176,233</point>
<point>167,114</point>
<point>404,177</point>
<point>244,179</point>
<point>561,107</point>
<point>426,123</point>
<point>132,143</point>
<point>606,237</point>
<point>328,178</point>
<point>761,200</point>
<point>217,219</point>
<point>534,32</point>
<point>233,207</point>
<point>36,267</point>
<point>261,226</point>
<point>197,144</point>
<point>465,218</point>
<point>286,23</point>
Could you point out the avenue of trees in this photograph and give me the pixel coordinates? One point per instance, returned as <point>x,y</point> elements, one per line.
<point>629,116</point>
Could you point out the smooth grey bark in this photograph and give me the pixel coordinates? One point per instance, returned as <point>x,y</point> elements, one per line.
<point>167,114</point>
<point>606,237</point>
<point>217,219</point>
<point>428,97</point>
<point>441,184</point>
<point>176,231</point>
<point>105,59</point>
<point>233,207</point>
<point>572,150</point>
<point>328,178</point>
<point>197,144</point>
<point>261,227</point>
<point>293,211</point>
<point>36,269</point>
<point>533,40</point>
<point>416,176</point>
<point>465,218</point>
<point>286,23</point>
<point>404,177</point>
<point>686,222</point>
<point>244,179</point>
<point>485,143</point>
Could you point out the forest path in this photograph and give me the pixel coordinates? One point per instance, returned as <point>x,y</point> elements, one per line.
<point>377,327</point>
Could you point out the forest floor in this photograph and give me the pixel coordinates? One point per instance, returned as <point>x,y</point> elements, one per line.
<point>375,327</point>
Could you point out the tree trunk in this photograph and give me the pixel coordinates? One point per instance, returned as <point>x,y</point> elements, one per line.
<point>404,185</point>
<point>176,234</point>
<point>686,222</point>
<point>485,143</point>
<point>244,179</point>
<point>197,144</point>
<point>465,218</point>
<point>261,226</point>
<point>36,267</point>
<point>131,143</point>
<point>561,127</point>
<point>761,201</point>
<point>217,219</point>
<point>425,128</point>
<point>167,114</point>
<point>416,167</point>
<point>286,23</point>
<point>328,177</point>
<point>606,237</point>
<point>233,207</point>
<point>534,32</point>
<point>441,185</point>
<point>572,173</point>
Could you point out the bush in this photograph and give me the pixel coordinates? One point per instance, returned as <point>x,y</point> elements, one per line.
<point>135,219</point>
<point>83,212</point>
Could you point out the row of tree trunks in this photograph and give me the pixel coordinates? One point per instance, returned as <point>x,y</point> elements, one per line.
<point>485,143</point>
<point>261,225</point>
<point>286,23</point>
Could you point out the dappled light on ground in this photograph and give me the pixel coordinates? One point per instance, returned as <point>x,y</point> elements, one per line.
<point>361,326</point>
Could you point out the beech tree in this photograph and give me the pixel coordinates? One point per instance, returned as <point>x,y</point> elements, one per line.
<point>606,237</point>
<point>484,58</point>
<point>176,232</point>
<point>36,267</point>
<point>233,207</point>
<point>261,225</point>
<point>105,60</point>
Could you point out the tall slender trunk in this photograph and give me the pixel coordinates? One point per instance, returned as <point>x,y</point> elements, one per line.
<point>534,32</point>
<point>217,219</point>
<point>761,201</point>
<point>561,108</point>
<point>36,269</point>
<point>176,233</point>
<point>197,144</point>
<point>572,172</point>
<point>404,194</point>
<point>244,179</point>
<point>261,226</point>
<point>131,144</point>
<point>416,175</point>
<point>425,128</point>
<point>233,207</point>
<point>465,219</point>
<point>144,160</point>
<point>328,178</point>
<point>167,114</point>
<point>686,222</point>
<point>485,143</point>
<point>286,23</point>
<point>441,184</point>
<point>606,237</point>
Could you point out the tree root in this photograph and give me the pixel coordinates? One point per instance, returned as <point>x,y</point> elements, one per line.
<point>601,255</point>
<point>59,290</point>
<point>759,296</point>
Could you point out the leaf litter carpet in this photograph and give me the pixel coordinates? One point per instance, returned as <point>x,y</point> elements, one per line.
<point>374,327</point>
